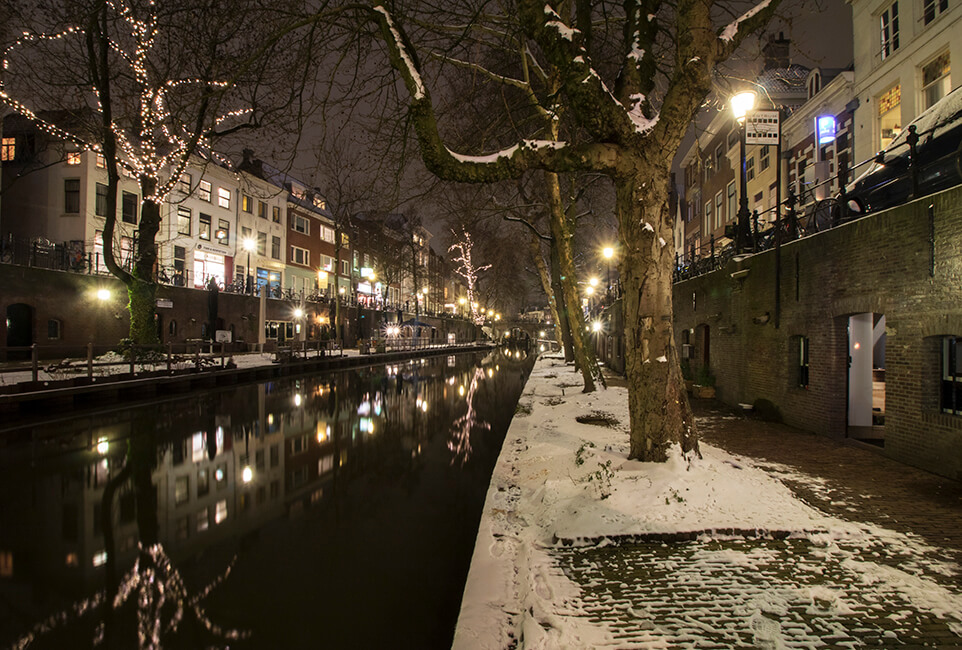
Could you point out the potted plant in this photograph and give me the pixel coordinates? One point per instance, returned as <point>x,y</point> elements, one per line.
<point>705,386</point>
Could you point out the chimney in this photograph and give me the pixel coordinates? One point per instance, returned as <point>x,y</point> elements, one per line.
<point>776,51</point>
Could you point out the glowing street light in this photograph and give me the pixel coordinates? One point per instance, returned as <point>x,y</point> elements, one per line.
<point>247,474</point>
<point>249,243</point>
<point>608,252</point>
<point>742,104</point>
<point>103,295</point>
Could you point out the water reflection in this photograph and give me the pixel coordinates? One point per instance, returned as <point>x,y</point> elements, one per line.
<point>212,519</point>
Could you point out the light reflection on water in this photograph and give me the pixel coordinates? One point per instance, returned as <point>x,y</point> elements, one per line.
<point>293,512</point>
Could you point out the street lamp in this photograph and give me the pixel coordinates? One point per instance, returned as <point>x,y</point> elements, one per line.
<point>742,105</point>
<point>249,245</point>
<point>608,252</point>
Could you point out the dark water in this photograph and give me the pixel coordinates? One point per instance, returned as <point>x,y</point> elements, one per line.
<point>354,528</point>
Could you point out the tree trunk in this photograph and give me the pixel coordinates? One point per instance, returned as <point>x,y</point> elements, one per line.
<point>659,413</point>
<point>557,290</point>
<point>545,276</point>
<point>142,286</point>
<point>560,232</point>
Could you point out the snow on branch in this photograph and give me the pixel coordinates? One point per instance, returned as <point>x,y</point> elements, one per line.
<point>412,70</point>
<point>730,30</point>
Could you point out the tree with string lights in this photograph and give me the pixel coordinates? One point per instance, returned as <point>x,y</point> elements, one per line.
<point>467,270</point>
<point>149,87</point>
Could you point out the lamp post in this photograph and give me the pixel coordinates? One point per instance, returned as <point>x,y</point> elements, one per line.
<point>608,252</point>
<point>249,244</point>
<point>742,104</point>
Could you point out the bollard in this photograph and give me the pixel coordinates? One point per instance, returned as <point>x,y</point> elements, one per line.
<point>35,362</point>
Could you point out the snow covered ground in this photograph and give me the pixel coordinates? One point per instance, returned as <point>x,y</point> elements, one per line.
<point>554,566</point>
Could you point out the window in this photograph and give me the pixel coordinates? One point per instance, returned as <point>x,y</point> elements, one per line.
<point>300,256</point>
<point>346,241</point>
<point>100,205</point>
<point>180,263</point>
<point>203,191</point>
<point>262,243</point>
<point>223,197</point>
<point>719,157</point>
<point>732,202</point>
<point>8,148</point>
<point>183,220</point>
<point>261,209</point>
<point>276,248</point>
<point>184,183</point>
<point>764,157</point>
<point>181,490</point>
<point>300,224</point>
<point>931,9</point>
<point>951,393</point>
<point>277,214</point>
<point>128,207</point>
<point>936,82</point>
<point>803,362</point>
<point>53,329</point>
<point>101,161</point>
<point>203,521</point>
<point>890,115</point>
<point>220,511</point>
<point>327,234</point>
<point>319,202</point>
<point>718,209</point>
<point>750,168</point>
<point>73,158</point>
<point>247,203</point>
<point>246,233</point>
<point>345,267</point>
<point>204,226</point>
<point>889,30</point>
<point>223,232</point>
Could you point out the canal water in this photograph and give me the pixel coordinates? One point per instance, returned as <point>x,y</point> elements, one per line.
<point>327,511</point>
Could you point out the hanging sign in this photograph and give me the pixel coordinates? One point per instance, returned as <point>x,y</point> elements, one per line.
<point>762,128</point>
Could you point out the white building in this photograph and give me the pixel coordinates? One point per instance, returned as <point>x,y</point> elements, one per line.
<point>903,55</point>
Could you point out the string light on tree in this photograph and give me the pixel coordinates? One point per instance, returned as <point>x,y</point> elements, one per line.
<point>467,270</point>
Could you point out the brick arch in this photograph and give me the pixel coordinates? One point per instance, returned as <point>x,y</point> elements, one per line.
<point>845,307</point>
<point>940,325</point>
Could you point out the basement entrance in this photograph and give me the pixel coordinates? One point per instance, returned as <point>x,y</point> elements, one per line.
<point>866,378</point>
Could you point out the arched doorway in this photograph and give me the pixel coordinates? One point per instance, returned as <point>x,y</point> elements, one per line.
<point>19,329</point>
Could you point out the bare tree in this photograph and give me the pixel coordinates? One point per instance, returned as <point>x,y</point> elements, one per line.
<point>632,93</point>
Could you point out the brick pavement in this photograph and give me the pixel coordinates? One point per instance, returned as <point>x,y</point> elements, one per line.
<point>880,590</point>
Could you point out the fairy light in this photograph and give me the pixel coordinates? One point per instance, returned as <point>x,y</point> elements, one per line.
<point>468,271</point>
<point>159,149</point>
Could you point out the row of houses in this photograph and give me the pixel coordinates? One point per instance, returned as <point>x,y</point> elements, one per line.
<point>902,66</point>
<point>242,226</point>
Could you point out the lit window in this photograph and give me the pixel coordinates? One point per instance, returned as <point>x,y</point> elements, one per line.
<point>223,232</point>
<point>220,513</point>
<point>203,191</point>
<point>8,148</point>
<point>277,214</point>
<point>73,158</point>
<point>183,220</point>
<point>247,203</point>
<point>71,560</point>
<point>890,115</point>
<point>320,203</point>
<point>223,197</point>
<point>204,226</point>
<point>262,209</point>
<point>101,161</point>
<point>203,520</point>
<point>100,558</point>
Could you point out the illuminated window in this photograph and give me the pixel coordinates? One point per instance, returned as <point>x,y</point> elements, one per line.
<point>327,234</point>
<point>203,520</point>
<point>220,513</point>
<point>247,203</point>
<point>223,232</point>
<point>183,220</point>
<point>261,209</point>
<point>101,161</point>
<point>890,115</point>
<point>203,191</point>
<point>184,183</point>
<point>205,226</point>
<point>71,560</point>
<point>277,214</point>
<point>223,197</point>
<point>319,202</point>
<point>181,490</point>
<point>73,158</point>
<point>100,558</point>
<point>8,148</point>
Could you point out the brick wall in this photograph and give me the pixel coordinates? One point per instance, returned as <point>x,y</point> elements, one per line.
<point>880,264</point>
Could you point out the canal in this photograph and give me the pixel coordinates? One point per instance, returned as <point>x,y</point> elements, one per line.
<point>325,511</point>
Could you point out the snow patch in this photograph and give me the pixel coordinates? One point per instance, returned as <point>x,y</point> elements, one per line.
<point>408,63</point>
<point>732,28</point>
